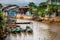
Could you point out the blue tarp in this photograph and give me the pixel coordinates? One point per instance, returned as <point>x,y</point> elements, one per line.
<point>11,13</point>
<point>28,13</point>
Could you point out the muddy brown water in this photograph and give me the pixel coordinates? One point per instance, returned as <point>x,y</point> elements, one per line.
<point>41,31</point>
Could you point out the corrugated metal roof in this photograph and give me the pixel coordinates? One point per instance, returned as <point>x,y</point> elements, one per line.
<point>23,7</point>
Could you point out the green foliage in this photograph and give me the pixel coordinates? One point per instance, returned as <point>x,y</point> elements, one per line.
<point>32,6</point>
<point>1,6</point>
<point>51,9</point>
<point>1,19</point>
<point>14,5</point>
<point>43,9</point>
<point>55,7</point>
<point>43,5</point>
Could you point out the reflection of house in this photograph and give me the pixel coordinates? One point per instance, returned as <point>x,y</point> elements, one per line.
<point>55,2</point>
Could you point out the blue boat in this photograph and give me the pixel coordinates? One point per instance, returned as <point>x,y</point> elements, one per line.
<point>12,30</point>
<point>18,29</point>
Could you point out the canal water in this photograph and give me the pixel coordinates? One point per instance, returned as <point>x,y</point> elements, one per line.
<point>41,31</point>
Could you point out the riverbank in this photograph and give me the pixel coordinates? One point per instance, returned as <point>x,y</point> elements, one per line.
<point>55,20</point>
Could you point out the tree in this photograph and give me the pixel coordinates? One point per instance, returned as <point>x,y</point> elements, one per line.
<point>51,9</point>
<point>55,9</point>
<point>1,16</point>
<point>41,8</point>
<point>32,6</point>
<point>43,5</point>
<point>1,19</point>
<point>45,9</point>
<point>1,6</point>
<point>48,10</point>
<point>1,22</point>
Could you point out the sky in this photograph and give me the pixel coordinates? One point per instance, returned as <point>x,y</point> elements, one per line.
<point>20,2</point>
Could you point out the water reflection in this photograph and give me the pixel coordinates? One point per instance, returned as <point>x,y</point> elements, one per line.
<point>41,31</point>
<point>19,37</point>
